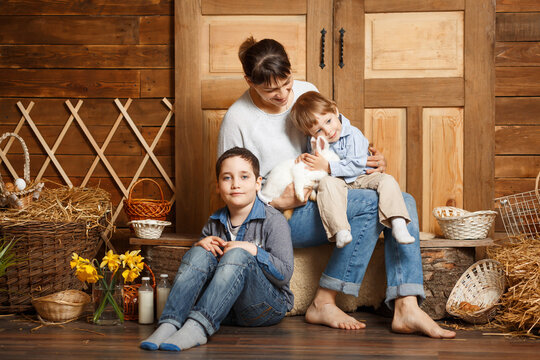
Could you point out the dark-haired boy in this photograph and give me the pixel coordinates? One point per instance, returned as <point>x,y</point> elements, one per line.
<point>238,272</point>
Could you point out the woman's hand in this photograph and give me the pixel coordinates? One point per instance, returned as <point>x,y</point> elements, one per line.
<point>288,200</point>
<point>376,161</point>
<point>249,247</point>
<point>212,244</point>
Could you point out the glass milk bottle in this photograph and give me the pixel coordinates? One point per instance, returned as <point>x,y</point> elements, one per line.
<point>146,302</point>
<point>163,290</point>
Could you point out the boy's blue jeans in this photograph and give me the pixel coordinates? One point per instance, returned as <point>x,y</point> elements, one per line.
<point>347,266</point>
<point>232,290</point>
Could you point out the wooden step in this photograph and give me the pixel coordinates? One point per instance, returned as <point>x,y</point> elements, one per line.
<point>170,239</point>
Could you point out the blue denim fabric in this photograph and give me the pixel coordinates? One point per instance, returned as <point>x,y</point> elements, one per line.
<point>347,266</point>
<point>233,289</point>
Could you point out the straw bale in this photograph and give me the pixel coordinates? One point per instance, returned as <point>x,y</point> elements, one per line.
<point>520,304</point>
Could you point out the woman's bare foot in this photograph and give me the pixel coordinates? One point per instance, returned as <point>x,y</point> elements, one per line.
<point>324,311</point>
<point>409,318</point>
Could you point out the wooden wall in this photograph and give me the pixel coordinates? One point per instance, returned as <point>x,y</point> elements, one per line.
<point>96,51</point>
<point>52,50</point>
<point>517,91</point>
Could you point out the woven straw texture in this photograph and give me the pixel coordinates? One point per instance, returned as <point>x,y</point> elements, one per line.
<point>44,251</point>
<point>140,209</point>
<point>481,285</point>
<point>131,303</point>
<point>148,229</point>
<point>19,199</point>
<point>460,224</point>
<point>61,306</point>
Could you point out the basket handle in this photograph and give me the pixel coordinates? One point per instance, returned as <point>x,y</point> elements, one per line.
<point>536,186</point>
<point>145,179</point>
<point>26,159</point>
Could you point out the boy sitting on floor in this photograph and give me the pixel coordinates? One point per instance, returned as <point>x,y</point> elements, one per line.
<point>238,273</point>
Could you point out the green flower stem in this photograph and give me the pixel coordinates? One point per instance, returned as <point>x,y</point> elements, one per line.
<point>108,298</point>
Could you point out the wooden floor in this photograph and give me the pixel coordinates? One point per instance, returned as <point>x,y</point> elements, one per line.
<point>291,339</point>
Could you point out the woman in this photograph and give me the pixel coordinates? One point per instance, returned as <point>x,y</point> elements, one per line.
<point>258,121</point>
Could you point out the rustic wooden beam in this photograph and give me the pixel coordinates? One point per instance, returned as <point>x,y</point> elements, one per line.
<point>322,16</point>
<point>415,156</point>
<point>86,7</point>
<point>479,110</point>
<point>517,81</point>
<point>518,27</point>
<point>517,110</point>
<point>517,53</point>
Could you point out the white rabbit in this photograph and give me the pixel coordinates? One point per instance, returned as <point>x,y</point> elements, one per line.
<point>288,172</point>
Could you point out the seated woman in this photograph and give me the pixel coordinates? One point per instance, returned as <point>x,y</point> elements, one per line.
<point>258,120</point>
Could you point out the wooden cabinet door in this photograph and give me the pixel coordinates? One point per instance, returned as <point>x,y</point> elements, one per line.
<point>417,78</point>
<point>209,78</point>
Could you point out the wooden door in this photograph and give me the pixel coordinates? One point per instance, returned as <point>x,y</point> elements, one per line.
<point>417,78</point>
<point>209,78</point>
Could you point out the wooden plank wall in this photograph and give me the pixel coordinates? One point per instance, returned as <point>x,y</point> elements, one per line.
<point>517,91</point>
<point>52,51</point>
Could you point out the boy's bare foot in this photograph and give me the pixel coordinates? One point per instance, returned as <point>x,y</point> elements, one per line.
<point>409,318</point>
<point>330,315</point>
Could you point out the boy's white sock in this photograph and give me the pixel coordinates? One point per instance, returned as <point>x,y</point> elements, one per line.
<point>162,332</point>
<point>343,237</point>
<point>400,232</point>
<point>190,335</point>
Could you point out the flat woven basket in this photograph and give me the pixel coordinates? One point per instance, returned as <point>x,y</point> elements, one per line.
<point>9,195</point>
<point>460,224</point>
<point>140,209</point>
<point>44,251</point>
<point>475,296</point>
<point>131,297</point>
<point>148,229</point>
<point>62,306</point>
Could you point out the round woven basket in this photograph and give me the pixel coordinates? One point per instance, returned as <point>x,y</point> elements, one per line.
<point>139,209</point>
<point>475,296</point>
<point>61,306</point>
<point>148,229</point>
<point>460,224</point>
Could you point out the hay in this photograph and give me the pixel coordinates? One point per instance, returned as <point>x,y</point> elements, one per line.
<point>64,204</point>
<point>520,304</point>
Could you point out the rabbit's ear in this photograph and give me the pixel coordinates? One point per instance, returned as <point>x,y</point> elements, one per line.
<point>322,143</point>
<point>313,143</point>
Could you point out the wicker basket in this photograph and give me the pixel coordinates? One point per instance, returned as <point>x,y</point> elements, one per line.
<point>44,251</point>
<point>9,195</point>
<point>131,303</point>
<point>140,209</point>
<point>481,285</point>
<point>148,229</point>
<point>61,306</point>
<point>460,224</point>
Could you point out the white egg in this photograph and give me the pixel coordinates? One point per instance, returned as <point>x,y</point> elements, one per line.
<point>20,184</point>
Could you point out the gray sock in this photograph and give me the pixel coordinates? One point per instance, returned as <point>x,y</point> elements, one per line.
<point>190,335</point>
<point>162,332</point>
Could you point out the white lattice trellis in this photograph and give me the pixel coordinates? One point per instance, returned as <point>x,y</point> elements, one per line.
<point>100,151</point>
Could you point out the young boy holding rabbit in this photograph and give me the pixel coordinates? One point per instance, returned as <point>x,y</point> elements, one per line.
<point>238,272</point>
<point>315,116</point>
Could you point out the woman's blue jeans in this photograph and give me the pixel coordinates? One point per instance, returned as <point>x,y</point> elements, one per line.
<point>232,290</point>
<point>347,266</point>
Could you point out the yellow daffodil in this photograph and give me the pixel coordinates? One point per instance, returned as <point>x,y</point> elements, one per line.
<point>131,274</point>
<point>75,260</point>
<point>88,273</point>
<point>131,258</point>
<point>111,260</point>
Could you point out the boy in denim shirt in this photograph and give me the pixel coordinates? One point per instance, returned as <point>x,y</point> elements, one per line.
<point>238,273</point>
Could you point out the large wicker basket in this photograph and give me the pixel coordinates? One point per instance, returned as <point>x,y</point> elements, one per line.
<point>475,296</point>
<point>460,224</point>
<point>141,209</point>
<point>43,251</point>
<point>13,197</point>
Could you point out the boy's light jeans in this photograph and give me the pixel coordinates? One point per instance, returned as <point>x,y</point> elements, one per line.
<point>347,266</point>
<point>232,290</point>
